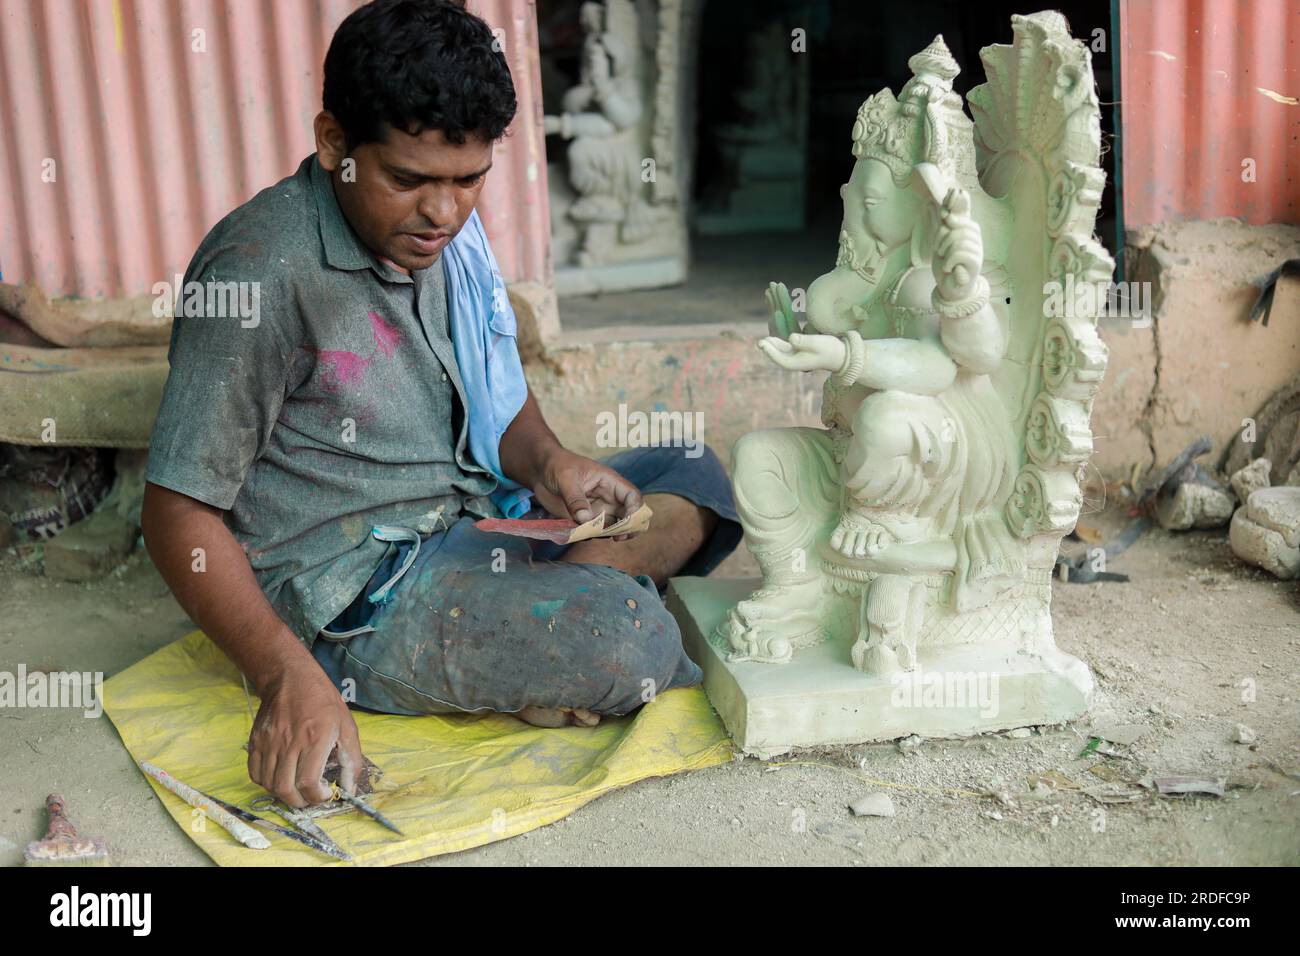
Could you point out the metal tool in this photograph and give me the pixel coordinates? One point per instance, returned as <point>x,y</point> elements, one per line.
<point>368,810</point>
<point>300,821</point>
<point>333,850</point>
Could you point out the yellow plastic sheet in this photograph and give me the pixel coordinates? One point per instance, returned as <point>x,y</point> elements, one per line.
<point>450,783</point>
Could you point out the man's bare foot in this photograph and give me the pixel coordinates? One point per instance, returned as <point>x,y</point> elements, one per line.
<point>558,716</point>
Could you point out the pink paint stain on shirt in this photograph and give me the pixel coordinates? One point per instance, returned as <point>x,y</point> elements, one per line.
<point>387,336</point>
<point>341,368</point>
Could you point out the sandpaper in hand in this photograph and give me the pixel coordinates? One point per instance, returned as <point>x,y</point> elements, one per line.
<point>567,531</point>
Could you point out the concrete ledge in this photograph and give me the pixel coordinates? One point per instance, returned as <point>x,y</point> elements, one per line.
<point>820,698</point>
<point>621,276</point>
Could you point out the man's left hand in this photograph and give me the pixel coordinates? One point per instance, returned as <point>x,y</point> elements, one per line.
<point>580,488</point>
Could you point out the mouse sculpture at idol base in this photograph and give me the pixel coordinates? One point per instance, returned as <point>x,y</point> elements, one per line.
<point>907,547</point>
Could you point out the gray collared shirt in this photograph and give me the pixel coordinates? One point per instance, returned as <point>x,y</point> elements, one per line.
<point>315,403</point>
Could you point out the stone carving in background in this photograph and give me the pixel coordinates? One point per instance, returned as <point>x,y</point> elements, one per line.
<point>910,543</point>
<point>763,150</point>
<point>616,222</point>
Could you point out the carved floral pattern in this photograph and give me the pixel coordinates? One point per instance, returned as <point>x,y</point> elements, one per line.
<point>1073,197</point>
<point>1057,432</point>
<point>1074,359</point>
<point>1043,501</point>
<point>1084,259</point>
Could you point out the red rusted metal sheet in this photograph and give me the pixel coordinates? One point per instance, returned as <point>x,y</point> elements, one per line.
<point>514,207</point>
<point>125,134</point>
<point>1207,85</point>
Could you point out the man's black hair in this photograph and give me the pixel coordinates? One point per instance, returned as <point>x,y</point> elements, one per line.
<point>417,65</point>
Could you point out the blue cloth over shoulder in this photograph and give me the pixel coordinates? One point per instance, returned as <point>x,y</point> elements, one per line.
<point>483,333</point>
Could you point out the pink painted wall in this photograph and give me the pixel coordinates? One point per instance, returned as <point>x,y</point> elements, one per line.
<point>153,142</point>
<point>1191,73</point>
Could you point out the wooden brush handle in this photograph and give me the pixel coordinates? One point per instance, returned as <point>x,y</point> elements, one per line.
<point>60,825</point>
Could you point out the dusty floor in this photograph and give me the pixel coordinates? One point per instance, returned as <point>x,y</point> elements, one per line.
<point>1170,651</point>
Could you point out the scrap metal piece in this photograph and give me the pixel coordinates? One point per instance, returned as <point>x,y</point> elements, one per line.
<point>1077,569</point>
<point>1263,306</point>
<point>1182,468</point>
<point>1213,786</point>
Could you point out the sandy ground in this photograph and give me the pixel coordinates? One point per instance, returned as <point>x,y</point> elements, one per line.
<point>1170,649</point>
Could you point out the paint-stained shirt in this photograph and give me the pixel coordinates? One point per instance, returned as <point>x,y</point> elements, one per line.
<point>315,398</point>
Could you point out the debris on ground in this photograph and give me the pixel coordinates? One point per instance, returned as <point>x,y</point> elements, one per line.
<point>1172,786</point>
<point>1087,533</point>
<point>90,548</point>
<point>1184,495</point>
<point>1266,532</point>
<point>873,805</point>
<point>1112,793</point>
<point>1199,502</point>
<point>1122,734</point>
<point>1251,478</point>
<point>1099,745</point>
<point>1080,569</point>
<point>1052,779</point>
<point>1112,774</point>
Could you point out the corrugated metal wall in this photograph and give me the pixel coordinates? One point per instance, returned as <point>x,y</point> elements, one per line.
<point>129,127</point>
<point>514,207</point>
<point>125,135</point>
<point>1201,81</point>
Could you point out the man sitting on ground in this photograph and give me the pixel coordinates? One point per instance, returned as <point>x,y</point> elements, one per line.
<point>314,475</point>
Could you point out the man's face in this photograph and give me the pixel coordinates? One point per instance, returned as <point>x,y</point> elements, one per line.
<point>410,194</point>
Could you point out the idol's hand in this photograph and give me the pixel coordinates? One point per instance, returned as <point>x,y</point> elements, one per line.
<point>805,353</point>
<point>958,249</point>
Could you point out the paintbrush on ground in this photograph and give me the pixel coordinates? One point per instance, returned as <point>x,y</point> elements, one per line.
<point>62,846</point>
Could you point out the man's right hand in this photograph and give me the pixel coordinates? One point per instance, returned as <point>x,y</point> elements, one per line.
<point>303,717</point>
<point>302,720</point>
